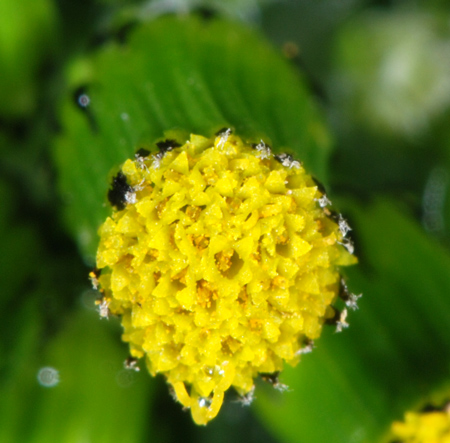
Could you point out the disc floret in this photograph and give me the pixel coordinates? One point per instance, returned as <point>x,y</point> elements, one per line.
<point>431,426</point>
<point>222,262</point>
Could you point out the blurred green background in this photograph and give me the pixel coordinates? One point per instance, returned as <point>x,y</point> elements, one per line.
<point>358,89</point>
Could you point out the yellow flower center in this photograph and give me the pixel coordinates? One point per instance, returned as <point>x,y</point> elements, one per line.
<point>222,261</point>
<point>425,427</point>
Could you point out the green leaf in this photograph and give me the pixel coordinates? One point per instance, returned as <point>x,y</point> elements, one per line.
<point>176,73</point>
<point>27,35</point>
<point>96,399</point>
<point>396,352</point>
<point>18,386</point>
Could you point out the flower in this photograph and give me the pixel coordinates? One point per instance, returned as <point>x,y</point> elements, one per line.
<point>423,427</point>
<point>222,260</point>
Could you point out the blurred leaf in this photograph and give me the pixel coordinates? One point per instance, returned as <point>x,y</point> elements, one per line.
<point>19,280</point>
<point>27,28</point>
<point>312,27</point>
<point>184,73</point>
<point>401,84</point>
<point>396,351</point>
<point>21,330</point>
<point>237,9</point>
<point>96,399</point>
<point>39,281</point>
<point>20,241</point>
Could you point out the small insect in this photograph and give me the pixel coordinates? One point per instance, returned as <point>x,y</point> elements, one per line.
<point>349,298</point>
<point>132,364</point>
<point>264,150</point>
<point>273,379</point>
<point>338,319</point>
<point>288,161</point>
<point>140,156</point>
<point>119,191</point>
<point>93,276</point>
<point>167,145</point>
<point>348,244</point>
<point>224,133</point>
<point>173,394</point>
<point>324,201</point>
<point>307,348</point>
<point>103,308</point>
<point>344,227</point>
<point>341,323</point>
<point>247,399</point>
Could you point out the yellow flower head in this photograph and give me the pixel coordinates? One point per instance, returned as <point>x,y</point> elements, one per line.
<point>423,427</point>
<point>221,258</point>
